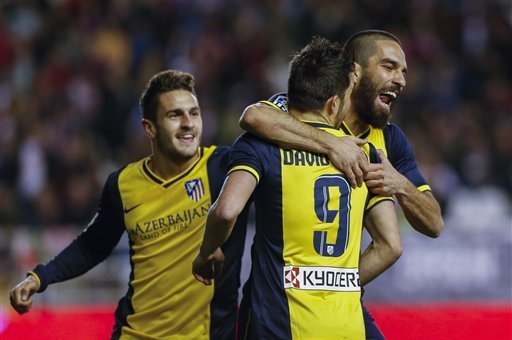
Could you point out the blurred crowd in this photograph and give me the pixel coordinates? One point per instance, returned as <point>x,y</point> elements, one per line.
<point>71,73</point>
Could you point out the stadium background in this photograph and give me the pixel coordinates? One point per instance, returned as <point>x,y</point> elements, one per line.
<point>70,77</point>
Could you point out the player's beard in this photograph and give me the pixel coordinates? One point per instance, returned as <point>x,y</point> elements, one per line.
<point>363,99</point>
<point>173,151</point>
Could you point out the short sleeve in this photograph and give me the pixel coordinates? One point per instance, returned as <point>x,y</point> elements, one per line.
<point>249,153</point>
<point>401,156</point>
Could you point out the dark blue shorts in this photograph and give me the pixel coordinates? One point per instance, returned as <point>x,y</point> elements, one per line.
<point>372,331</point>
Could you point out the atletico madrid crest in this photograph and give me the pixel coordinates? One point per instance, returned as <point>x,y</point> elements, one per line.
<point>195,189</point>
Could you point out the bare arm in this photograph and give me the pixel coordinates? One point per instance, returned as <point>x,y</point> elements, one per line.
<point>279,127</point>
<point>420,208</point>
<point>235,193</point>
<point>386,247</point>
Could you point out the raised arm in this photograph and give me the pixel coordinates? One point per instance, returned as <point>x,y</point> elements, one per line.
<point>280,128</point>
<point>386,247</point>
<point>235,193</point>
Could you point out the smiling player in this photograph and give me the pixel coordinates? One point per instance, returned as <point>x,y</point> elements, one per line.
<point>161,201</point>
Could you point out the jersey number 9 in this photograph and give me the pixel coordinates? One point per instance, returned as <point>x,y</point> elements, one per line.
<point>322,198</point>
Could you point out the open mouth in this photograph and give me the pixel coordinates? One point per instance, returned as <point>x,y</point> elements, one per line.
<point>186,138</point>
<point>388,97</point>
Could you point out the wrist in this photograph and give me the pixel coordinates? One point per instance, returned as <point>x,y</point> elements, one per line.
<point>327,143</point>
<point>31,276</point>
<point>404,186</point>
<point>203,254</point>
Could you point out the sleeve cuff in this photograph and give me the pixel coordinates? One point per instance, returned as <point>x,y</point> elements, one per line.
<point>38,273</point>
<point>247,169</point>
<point>266,102</point>
<point>424,188</point>
<point>377,199</point>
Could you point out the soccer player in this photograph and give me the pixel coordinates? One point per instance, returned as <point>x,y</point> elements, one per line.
<point>379,66</point>
<point>162,202</point>
<point>304,280</point>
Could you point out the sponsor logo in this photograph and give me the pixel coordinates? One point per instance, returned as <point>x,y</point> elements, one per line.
<point>194,189</point>
<point>321,278</point>
<point>168,224</point>
<point>291,277</point>
<point>127,210</point>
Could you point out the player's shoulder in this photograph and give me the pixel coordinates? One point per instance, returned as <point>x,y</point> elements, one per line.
<point>247,141</point>
<point>216,155</point>
<point>392,128</point>
<point>393,134</point>
<point>254,139</point>
<point>127,168</point>
<point>113,178</point>
<point>215,150</point>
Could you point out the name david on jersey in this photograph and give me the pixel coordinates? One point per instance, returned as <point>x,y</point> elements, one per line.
<point>304,158</point>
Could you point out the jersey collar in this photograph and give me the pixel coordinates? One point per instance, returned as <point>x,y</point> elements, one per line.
<point>344,127</point>
<point>166,183</point>
<point>318,124</point>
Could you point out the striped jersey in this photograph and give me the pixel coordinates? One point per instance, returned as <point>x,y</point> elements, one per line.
<point>390,139</point>
<point>304,282</point>
<point>165,222</point>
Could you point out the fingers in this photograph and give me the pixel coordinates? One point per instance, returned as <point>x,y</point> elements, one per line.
<point>372,184</point>
<point>373,175</point>
<point>359,141</point>
<point>202,270</point>
<point>358,174</point>
<point>382,156</point>
<point>349,174</point>
<point>375,171</point>
<point>20,300</point>
<point>204,276</point>
<point>376,187</point>
<point>205,269</point>
<point>372,167</point>
<point>363,162</point>
<point>203,280</point>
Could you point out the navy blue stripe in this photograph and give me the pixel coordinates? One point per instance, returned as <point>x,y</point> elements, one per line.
<point>270,315</point>
<point>320,125</point>
<point>168,184</point>
<point>185,174</point>
<point>124,306</point>
<point>344,129</point>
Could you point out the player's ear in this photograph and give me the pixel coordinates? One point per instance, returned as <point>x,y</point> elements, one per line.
<point>355,75</point>
<point>149,128</point>
<point>333,104</point>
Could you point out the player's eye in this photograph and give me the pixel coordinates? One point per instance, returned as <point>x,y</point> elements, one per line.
<point>174,114</point>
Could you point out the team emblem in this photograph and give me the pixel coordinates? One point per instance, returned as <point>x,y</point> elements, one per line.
<point>195,189</point>
<point>330,250</point>
<point>291,277</point>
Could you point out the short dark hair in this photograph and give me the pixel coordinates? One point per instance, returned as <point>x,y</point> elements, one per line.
<point>361,46</point>
<point>317,73</point>
<point>162,82</point>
